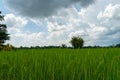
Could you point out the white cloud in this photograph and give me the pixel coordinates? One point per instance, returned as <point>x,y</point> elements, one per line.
<point>15,21</point>
<point>111,12</point>
<point>25,39</point>
<point>78,33</point>
<point>56,26</point>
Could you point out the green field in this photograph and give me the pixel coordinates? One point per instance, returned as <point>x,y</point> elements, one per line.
<point>60,64</point>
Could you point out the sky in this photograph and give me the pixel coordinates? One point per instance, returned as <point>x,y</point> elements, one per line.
<point>54,22</point>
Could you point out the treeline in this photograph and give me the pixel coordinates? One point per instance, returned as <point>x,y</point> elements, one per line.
<point>9,47</point>
<point>42,47</point>
<point>111,46</point>
<point>66,47</point>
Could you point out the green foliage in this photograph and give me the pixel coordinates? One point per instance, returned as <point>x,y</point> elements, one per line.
<point>1,47</point>
<point>77,42</point>
<point>118,45</point>
<point>7,47</point>
<point>3,31</point>
<point>63,46</point>
<point>60,64</point>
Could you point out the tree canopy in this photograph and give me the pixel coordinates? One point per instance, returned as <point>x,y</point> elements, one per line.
<point>77,42</point>
<point>3,31</point>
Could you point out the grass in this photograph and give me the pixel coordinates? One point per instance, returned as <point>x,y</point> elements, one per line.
<point>60,64</point>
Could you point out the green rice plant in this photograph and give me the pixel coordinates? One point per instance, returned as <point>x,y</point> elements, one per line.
<point>60,64</point>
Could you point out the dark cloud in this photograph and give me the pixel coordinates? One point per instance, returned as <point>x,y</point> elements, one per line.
<point>41,8</point>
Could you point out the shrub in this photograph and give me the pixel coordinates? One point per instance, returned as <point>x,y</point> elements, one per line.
<point>77,42</point>
<point>7,47</point>
<point>1,47</point>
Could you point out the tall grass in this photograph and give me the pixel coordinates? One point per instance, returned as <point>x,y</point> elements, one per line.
<point>60,64</point>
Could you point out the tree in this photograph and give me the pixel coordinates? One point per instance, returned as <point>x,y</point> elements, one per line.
<point>3,31</point>
<point>63,46</point>
<point>118,45</point>
<point>77,42</point>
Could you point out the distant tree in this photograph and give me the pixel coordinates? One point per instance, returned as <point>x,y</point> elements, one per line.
<point>37,47</point>
<point>3,31</point>
<point>118,45</point>
<point>64,46</point>
<point>77,42</point>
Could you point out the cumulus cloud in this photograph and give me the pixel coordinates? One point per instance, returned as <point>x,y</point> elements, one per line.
<point>26,39</point>
<point>42,8</point>
<point>111,12</point>
<point>15,21</point>
<point>110,18</point>
<point>56,26</point>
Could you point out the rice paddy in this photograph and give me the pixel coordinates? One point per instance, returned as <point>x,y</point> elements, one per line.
<point>60,64</point>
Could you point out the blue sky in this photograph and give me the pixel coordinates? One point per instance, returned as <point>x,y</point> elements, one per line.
<point>54,22</point>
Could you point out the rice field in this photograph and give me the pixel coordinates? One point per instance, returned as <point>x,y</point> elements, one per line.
<point>60,64</point>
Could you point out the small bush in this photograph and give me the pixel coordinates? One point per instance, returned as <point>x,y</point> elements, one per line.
<point>1,47</point>
<point>7,47</point>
